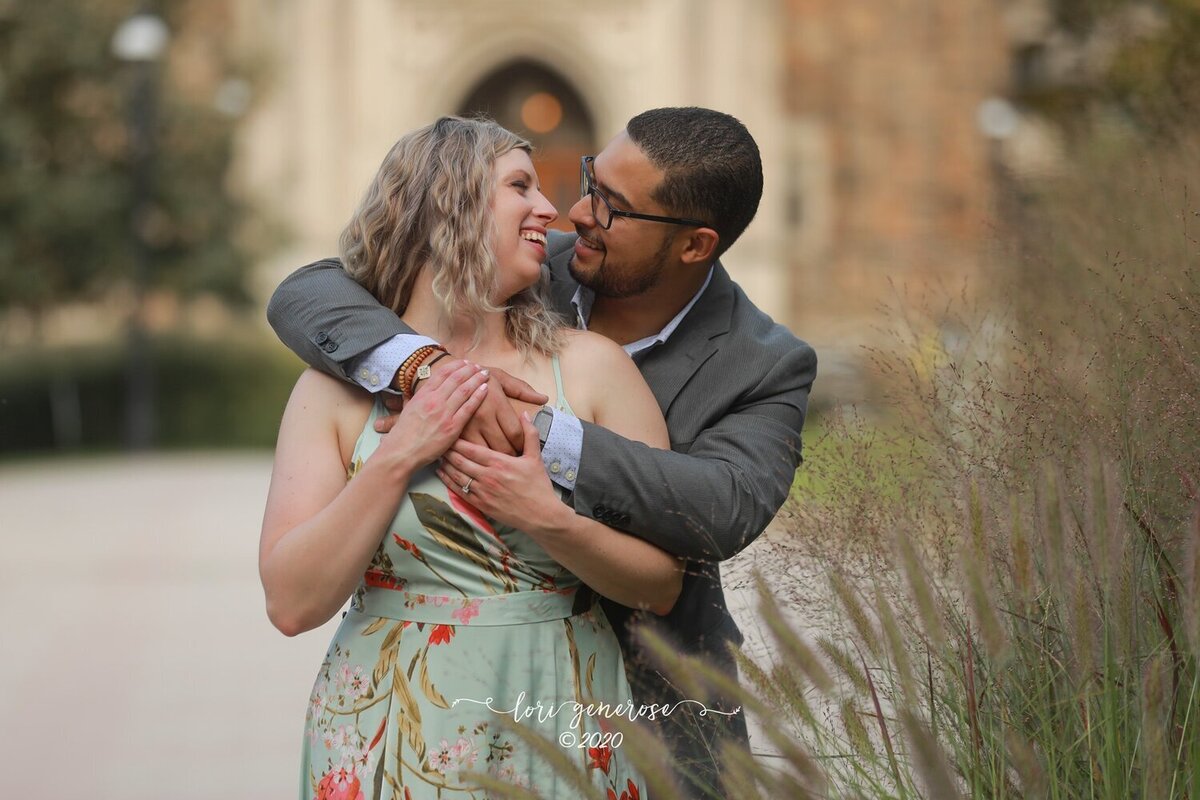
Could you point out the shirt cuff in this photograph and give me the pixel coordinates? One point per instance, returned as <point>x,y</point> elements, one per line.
<point>374,369</point>
<point>563,448</point>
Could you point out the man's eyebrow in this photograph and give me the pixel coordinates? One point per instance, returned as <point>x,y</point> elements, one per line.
<point>609,192</point>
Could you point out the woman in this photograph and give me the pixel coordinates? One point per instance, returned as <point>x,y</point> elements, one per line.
<point>451,609</point>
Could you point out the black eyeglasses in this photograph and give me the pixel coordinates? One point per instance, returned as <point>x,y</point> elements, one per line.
<point>602,210</point>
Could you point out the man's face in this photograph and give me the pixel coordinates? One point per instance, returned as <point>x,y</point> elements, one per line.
<point>628,258</point>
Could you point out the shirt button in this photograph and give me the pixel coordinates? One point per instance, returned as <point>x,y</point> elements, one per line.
<point>570,474</point>
<point>555,467</point>
<point>364,373</point>
<point>374,380</point>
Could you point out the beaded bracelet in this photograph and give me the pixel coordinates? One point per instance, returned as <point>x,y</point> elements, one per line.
<point>417,357</point>
<point>409,375</point>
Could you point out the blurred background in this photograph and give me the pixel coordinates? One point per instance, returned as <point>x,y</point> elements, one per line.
<point>164,164</point>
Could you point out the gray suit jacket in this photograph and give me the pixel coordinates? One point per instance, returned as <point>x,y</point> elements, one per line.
<point>732,384</point>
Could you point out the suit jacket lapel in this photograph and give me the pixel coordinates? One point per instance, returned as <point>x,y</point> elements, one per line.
<point>562,285</point>
<point>669,366</point>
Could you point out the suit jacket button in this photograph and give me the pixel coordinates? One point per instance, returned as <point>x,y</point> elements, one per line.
<point>598,511</point>
<point>624,519</point>
<point>322,337</point>
<point>330,347</point>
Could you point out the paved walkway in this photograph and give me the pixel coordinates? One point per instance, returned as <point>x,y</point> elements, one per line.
<point>139,662</point>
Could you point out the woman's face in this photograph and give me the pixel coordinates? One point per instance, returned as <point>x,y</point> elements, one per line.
<point>520,214</point>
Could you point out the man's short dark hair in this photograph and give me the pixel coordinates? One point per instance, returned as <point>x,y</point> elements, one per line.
<point>712,169</point>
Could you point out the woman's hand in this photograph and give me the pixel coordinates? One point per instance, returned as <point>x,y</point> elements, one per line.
<point>496,424</point>
<point>513,490</point>
<point>434,419</point>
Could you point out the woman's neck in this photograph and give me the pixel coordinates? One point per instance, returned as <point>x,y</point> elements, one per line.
<point>457,334</point>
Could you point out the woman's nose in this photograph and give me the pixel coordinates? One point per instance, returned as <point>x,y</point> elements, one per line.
<point>545,210</point>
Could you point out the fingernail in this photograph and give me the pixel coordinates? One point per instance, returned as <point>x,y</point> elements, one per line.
<point>483,372</point>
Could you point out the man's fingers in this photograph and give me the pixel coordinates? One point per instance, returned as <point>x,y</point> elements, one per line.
<point>493,436</point>
<point>471,436</point>
<point>517,389</point>
<point>385,424</point>
<point>393,402</point>
<point>533,441</point>
<point>510,427</point>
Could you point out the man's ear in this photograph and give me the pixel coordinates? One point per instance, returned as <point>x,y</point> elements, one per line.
<point>700,246</point>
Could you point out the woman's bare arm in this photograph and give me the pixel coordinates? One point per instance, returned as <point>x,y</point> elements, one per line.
<point>319,532</point>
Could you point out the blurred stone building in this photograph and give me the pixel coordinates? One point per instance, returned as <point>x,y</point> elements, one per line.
<point>876,169</point>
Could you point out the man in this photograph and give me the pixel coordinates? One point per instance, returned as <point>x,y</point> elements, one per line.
<point>659,205</point>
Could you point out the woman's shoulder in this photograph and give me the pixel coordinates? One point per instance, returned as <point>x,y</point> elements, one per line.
<point>591,365</point>
<point>609,385</point>
<point>323,400</point>
<point>318,388</point>
<point>586,347</point>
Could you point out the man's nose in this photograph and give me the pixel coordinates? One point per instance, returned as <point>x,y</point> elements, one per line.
<point>581,212</point>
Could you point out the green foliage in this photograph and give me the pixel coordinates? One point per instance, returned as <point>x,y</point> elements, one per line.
<point>216,393</point>
<point>66,161</point>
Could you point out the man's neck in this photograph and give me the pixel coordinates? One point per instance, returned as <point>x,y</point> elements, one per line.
<point>630,319</point>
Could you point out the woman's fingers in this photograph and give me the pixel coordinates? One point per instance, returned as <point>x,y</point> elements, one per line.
<point>454,374</point>
<point>457,394</point>
<point>470,405</point>
<point>463,465</point>
<point>452,477</point>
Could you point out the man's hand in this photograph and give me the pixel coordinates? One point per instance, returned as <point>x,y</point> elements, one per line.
<point>495,424</point>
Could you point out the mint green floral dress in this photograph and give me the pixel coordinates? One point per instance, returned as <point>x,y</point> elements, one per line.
<point>460,624</point>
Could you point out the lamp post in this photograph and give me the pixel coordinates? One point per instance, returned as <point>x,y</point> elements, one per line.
<point>140,41</point>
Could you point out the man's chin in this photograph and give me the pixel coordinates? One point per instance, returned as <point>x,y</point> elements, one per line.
<point>576,274</point>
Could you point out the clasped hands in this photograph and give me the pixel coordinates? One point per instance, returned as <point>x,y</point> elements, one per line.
<point>497,453</point>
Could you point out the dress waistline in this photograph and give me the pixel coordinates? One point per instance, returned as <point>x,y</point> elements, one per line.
<point>501,609</point>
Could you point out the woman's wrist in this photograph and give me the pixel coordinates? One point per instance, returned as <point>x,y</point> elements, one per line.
<point>554,523</point>
<point>396,468</point>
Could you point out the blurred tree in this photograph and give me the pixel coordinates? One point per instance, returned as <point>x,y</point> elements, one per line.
<point>66,188</point>
<point>1133,60</point>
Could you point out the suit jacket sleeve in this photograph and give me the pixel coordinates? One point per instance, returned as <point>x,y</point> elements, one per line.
<point>325,317</point>
<point>712,501</point>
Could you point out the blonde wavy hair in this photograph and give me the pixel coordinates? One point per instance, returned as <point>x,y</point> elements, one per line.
<point>430,205</point>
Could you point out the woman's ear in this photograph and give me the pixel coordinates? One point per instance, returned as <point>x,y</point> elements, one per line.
<point>700,246</point>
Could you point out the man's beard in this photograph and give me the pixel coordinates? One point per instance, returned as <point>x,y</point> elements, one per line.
<point>611,283</point>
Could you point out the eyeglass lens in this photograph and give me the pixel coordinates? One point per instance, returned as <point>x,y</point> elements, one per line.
<point>601,211</point>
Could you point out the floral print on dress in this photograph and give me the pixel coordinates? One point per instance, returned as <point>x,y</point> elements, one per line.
<point>453,610</point>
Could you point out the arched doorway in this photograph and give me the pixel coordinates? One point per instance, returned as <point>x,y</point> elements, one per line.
<point>534,101</point>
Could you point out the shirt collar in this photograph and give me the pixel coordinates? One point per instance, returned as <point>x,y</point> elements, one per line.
<point>585,297</point>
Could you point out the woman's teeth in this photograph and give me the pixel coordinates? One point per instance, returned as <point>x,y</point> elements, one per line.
<point>534,236</point>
